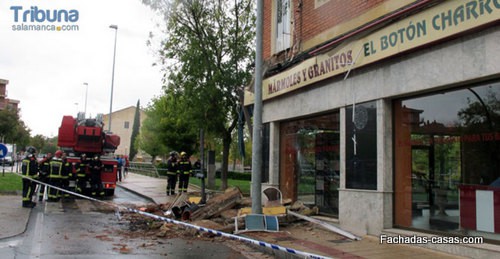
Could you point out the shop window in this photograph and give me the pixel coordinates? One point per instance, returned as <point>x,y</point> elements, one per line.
<point>447,161</point>
<point>361,146</point>
<point>309,161</point>
<point>283,25</point>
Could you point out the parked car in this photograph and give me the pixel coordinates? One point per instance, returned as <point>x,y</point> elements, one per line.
<point>7,161</point>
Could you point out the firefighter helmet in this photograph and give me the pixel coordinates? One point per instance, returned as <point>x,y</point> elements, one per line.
<point>183,153</point>
<point>31,150</point>
<point>58,153</point>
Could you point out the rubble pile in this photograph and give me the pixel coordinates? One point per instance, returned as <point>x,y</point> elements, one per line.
<point>218,213</point>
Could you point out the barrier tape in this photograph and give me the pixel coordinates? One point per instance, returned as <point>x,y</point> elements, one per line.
<point>208,230</point>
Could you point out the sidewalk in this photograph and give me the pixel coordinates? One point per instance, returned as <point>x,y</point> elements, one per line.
<point>13,217</point>
<point>150,188</point>
<point>309,239</point>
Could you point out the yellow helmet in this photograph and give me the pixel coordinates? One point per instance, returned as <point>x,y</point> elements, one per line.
<point>183,153</point>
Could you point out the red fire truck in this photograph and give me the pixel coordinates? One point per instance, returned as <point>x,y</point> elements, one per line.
<point>83,135</point>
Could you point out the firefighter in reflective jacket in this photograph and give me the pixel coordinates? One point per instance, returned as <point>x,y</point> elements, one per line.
<point>171,173</point>
<point>95,167</point>
<point>184,168</point>
<point>44,174</point>
<point>66,175</point>
<point>82,174</point>
<point>55,176</point>
<point>29,169</point>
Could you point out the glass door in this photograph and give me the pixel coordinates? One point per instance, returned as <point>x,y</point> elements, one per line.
<point>309,162</point>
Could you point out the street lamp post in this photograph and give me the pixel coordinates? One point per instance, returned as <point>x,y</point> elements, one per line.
<point>112,76</point>
<point>86,93</point>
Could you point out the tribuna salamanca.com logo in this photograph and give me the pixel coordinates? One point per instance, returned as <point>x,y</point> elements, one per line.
<point>39,19</point>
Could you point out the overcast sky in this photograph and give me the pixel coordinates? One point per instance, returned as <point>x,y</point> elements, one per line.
<point>47,69</point>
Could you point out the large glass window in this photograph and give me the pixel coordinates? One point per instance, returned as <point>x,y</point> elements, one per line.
<point>309,161</point>
<point>361,146</point>
<point>448,161</point>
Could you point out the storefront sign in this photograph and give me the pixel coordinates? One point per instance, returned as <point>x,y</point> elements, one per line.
<point>436,23</point>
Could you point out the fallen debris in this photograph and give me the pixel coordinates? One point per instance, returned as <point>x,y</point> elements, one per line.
<point>326,225</point>
<point>221,213</point>
<point>218,204</point>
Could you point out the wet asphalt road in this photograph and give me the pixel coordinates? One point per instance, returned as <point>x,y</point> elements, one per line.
<point>86,229</point>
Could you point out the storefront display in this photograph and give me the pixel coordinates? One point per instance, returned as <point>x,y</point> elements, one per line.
<point>447,148</point>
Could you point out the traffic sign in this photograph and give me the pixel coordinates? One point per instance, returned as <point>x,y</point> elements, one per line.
<point>3,150</point>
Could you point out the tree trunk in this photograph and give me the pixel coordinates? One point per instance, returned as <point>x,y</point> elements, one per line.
<point>226,143</point>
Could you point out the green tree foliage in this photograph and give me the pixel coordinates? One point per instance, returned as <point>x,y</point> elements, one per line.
<point>12,128</point>
<point>206,53</point>
<point>150,137</point>
<point>135,131</point>
<point>38,141</point>
<point>50,145</point>
<point>166,129</point>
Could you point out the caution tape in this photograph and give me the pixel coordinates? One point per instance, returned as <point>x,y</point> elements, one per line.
<point>169,220</point>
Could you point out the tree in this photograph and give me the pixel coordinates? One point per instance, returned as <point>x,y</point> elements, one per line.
<point>12,128</point>
<point>38,141</point>
<point>150,136</point>
<point>8,124</point>
<point>50,146</point>
<point>22,136</point>
<point>207,53</point>
<point>167,128</point>
<point>135,131</point>
<point>150,143</point>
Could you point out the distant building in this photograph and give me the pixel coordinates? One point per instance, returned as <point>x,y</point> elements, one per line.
<point>4,101</point>
<point>122,122</point>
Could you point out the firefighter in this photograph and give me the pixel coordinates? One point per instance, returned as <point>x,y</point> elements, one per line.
<point>82,174</point>
<point>95,166</point>
<point>44,167</point>
<point>66,176</point>
<point>29,169</point>
<point>55,176</point>
<point>171,173</point>
<point>184,168</point>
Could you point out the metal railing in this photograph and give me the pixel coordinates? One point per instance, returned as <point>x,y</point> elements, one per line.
<point>144,168</point>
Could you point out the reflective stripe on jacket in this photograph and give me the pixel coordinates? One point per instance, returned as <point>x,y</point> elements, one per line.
<point>81,169</point>
<point>56,167</point>
<point>184,167</point>
<point>29,167</point>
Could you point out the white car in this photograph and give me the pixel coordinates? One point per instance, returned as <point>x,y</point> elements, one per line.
<point>7,161</point>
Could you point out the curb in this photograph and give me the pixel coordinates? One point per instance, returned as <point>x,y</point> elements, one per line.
<point>136,193</point>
